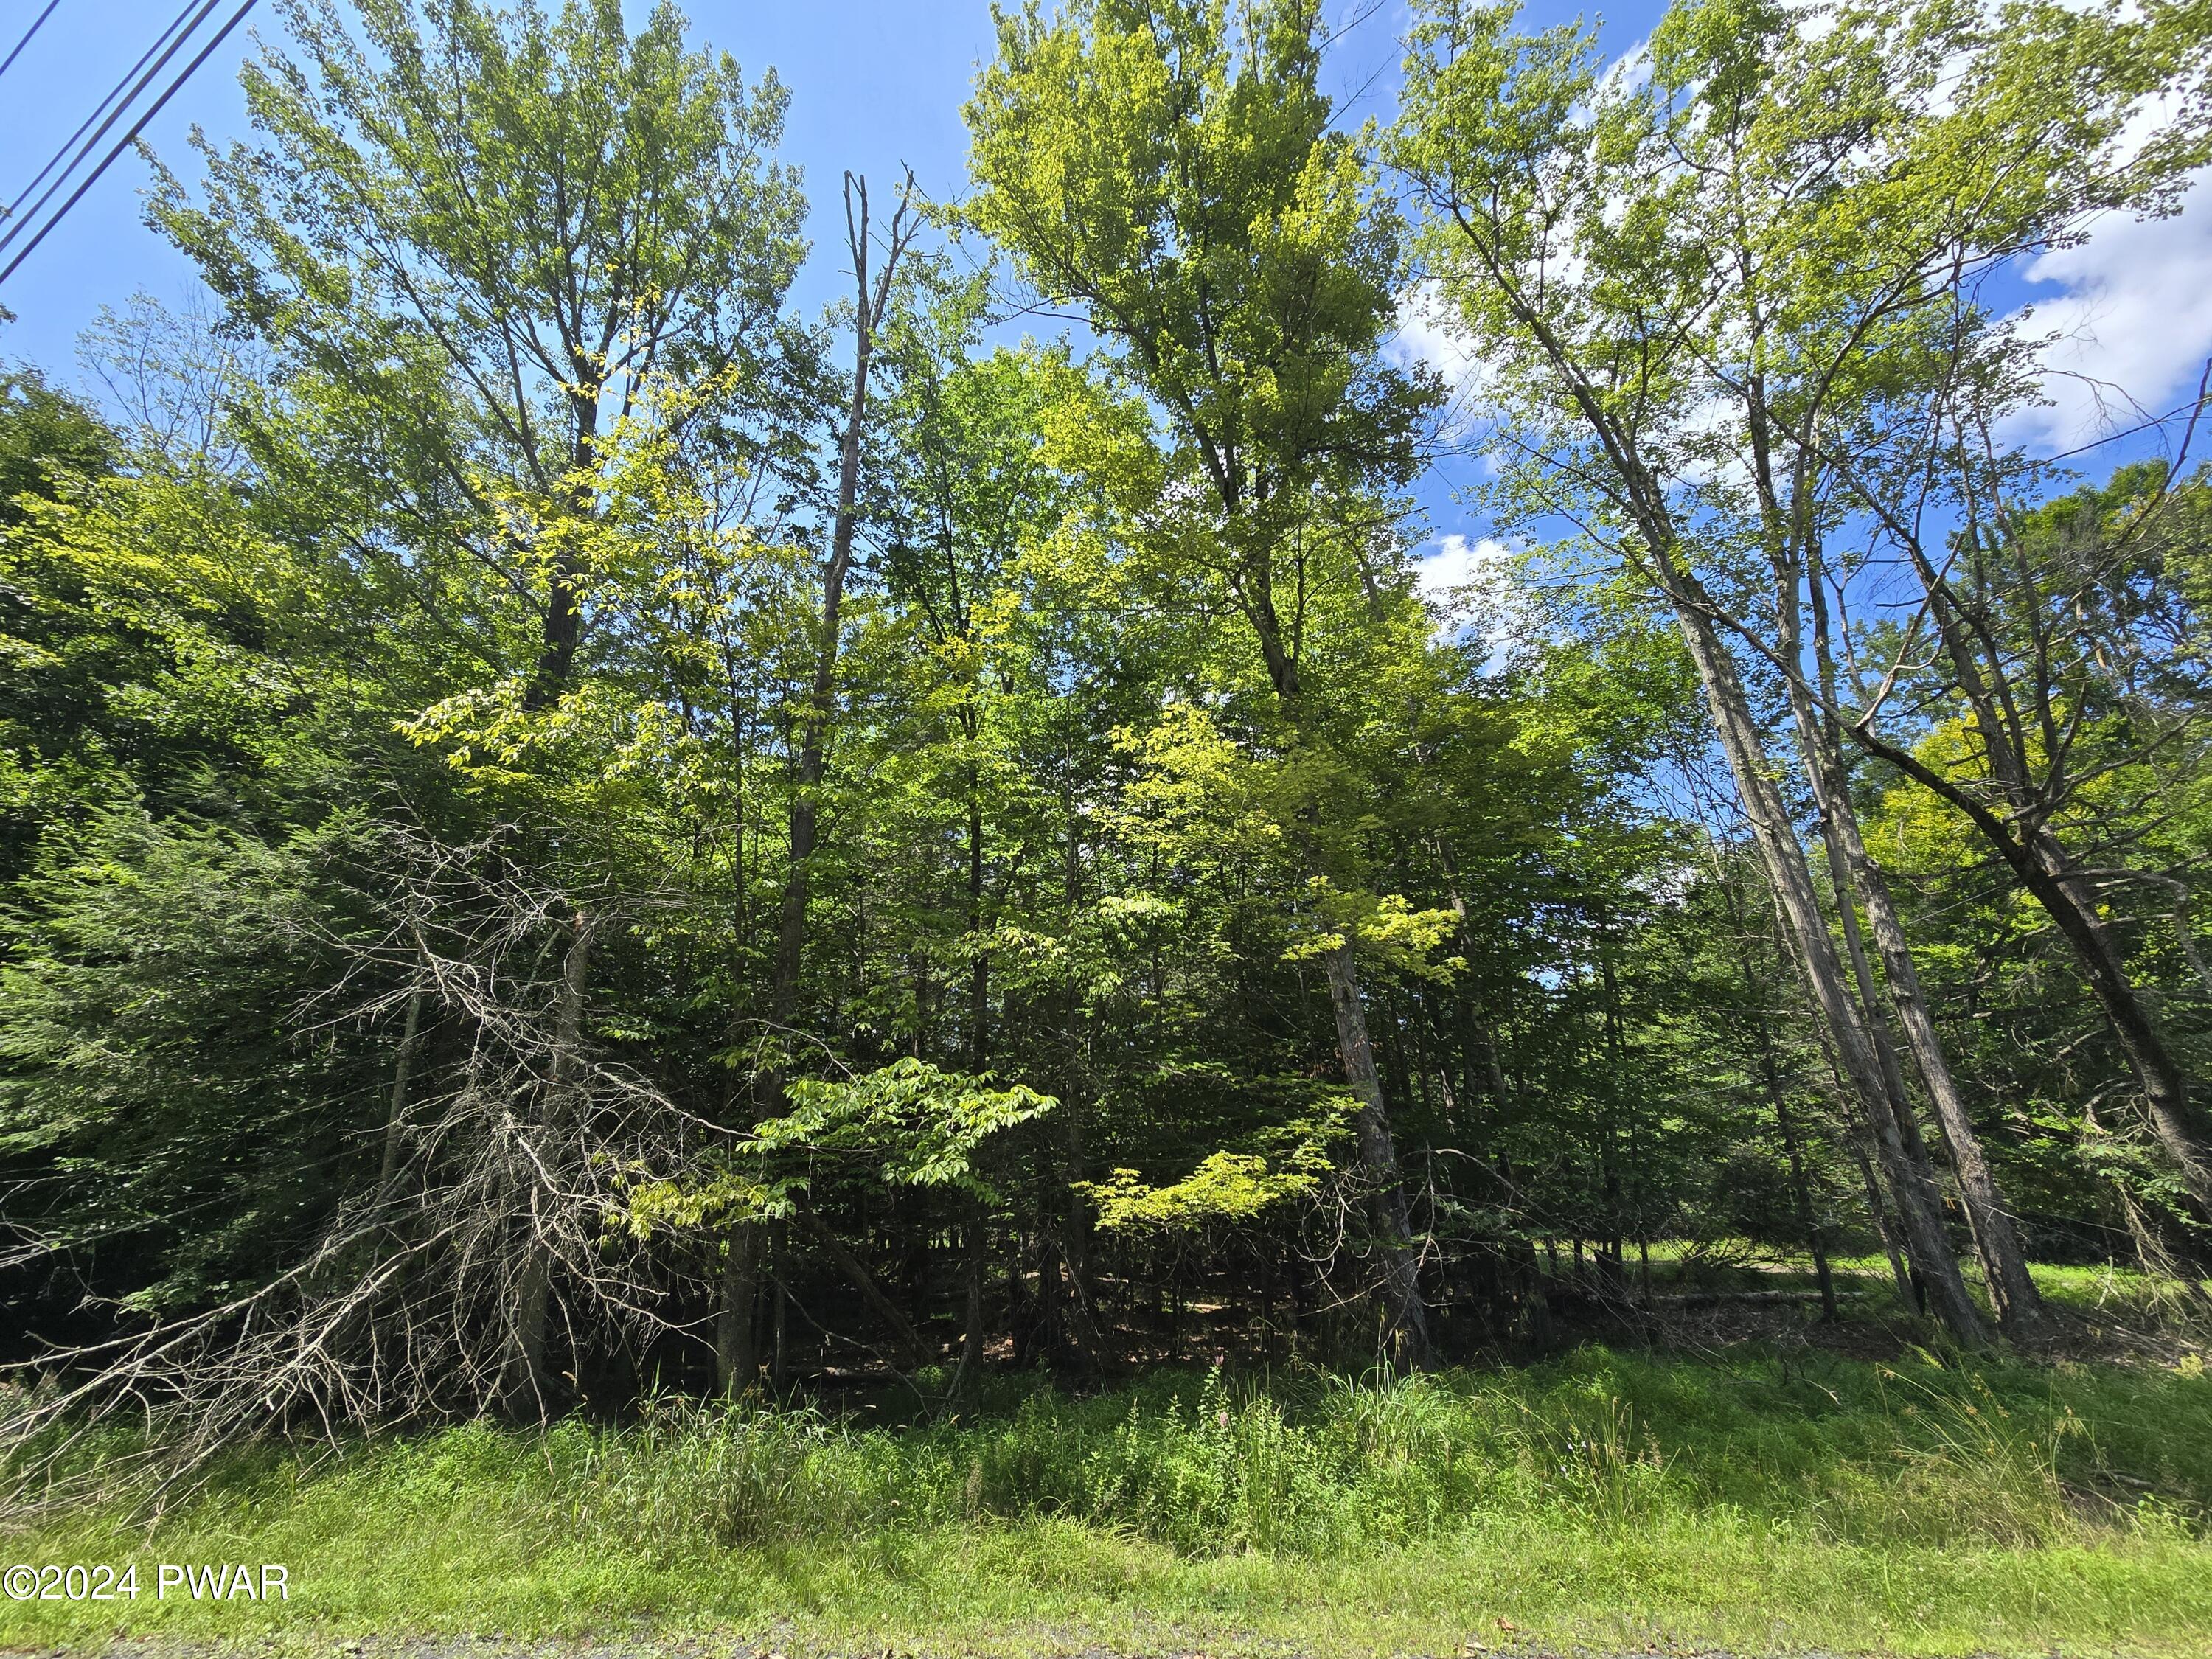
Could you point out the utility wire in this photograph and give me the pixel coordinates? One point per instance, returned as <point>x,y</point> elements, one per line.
<point>131,136</point>
<point>118,97</point>
<point>27,33</point>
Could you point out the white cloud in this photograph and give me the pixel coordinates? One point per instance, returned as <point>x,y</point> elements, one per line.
<point>1466,584</point>
<point>2132,321</point>
<point>1427,334</point>
<point>1454,563</point>
<point>1629,73</point>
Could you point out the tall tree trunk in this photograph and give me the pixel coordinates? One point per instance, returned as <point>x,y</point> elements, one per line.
<point>813,726</point>
<point>1086,1315</point>
<point>1801,1188</point>
<point>1910,1181</point>
<point>1771,1073</point>
<point>1996,1238</point>
<point>1852,870</point>
<point>1609,1132</point>
<point>977,1242</point>
<point>779,1245</point>
<point>1378,1157</point>
<point>1695,614</point>
<point>563,627</point>
<point>979,966</point>
<point>1476,1043</point>
<point>1403,1306</point>
<point>872,304</point>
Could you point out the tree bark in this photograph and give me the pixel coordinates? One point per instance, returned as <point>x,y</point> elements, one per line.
<point>1910,1181</point>
<point>814,720</point>
<point>1640,493</point>
<point>1770,1068</point>
<point>973,1334</point>
<point>534,1293</point>
<point>1378,1157</point>
<point>736,1358</point>
<point>1996,1239</point>
<point>563,628</point>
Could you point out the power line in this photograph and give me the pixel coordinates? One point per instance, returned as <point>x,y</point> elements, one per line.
<point>27,33</point>
<point>120,93</point>
<point>117,102</point>
<point>136,127</point>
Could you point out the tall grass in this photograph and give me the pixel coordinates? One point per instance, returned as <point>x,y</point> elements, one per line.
<point>1923,1452</point>
<point>1615,1480</point>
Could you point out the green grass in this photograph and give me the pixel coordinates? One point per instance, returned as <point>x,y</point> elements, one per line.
<point>2097,1294</point>
<point>1754,1500</point>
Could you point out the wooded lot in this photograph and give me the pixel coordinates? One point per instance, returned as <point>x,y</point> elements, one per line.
<point>569,832</point>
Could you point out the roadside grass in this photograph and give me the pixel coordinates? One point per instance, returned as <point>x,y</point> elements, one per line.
<point>1755,1498</point>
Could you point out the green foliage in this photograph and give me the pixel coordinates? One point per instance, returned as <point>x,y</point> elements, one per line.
<point>150,1050</point>
<point>907,1124</point>
<point>44,433</point>
<point>923,1125</point>
<point>1229,1187</point>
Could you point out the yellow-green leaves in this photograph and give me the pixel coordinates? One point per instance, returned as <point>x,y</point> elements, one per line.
<point>920,1125</point>
<point>1225,1187</point>
<point>1175,170</point>
<point>1291,1160</point>
<point>1383,927</point>
<point>907,1124</point>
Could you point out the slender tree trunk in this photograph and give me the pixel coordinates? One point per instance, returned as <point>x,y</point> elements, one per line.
<point>1859,1136</point>
<point>813,726</point>
<point>1476,1043</point>
<point>563,627</point>
<point>1378,1157</point>
<point>779,1244</point>
<point>1609,1132</point>
<point>1403,1308</point>
<point>1801,1187</point>
<point>1919,1208</point>
<point>976,1262</point>
<point>1996,1240</point>
<point>918,1352</point>
<point>534,1294</point>
<point>1771,1073</point>
<point>395,1121</point>
<point>979,967</point>
<point>1086,1327</point>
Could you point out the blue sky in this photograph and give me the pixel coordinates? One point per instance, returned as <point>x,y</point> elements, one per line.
<point>877,84</point>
